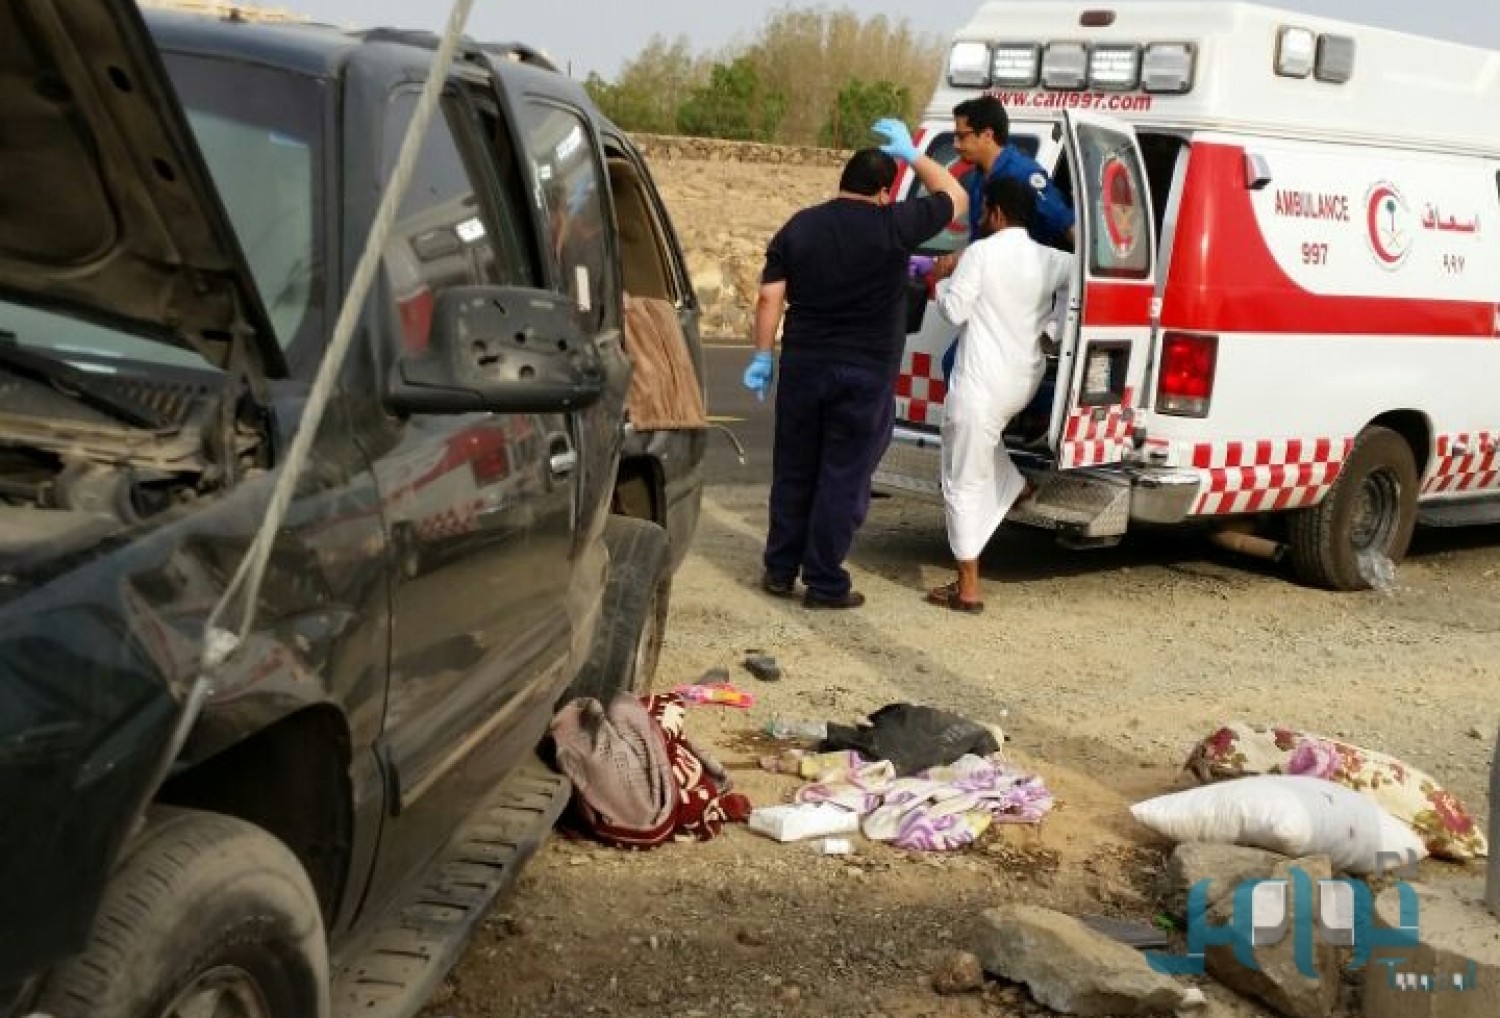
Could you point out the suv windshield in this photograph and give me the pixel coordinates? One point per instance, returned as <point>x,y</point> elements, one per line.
<point>259,130</point>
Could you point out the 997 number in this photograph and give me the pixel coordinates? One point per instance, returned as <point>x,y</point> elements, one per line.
<point>1314,254</point>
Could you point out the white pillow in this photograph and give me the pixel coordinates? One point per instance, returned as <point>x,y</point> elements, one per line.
<point>1295,816</point>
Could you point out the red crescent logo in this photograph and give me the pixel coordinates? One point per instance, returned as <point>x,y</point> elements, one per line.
<point>1386,223</point>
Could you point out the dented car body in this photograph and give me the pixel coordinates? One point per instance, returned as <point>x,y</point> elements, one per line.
<point>182,201</point>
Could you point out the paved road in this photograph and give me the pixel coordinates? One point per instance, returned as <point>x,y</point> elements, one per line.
<point>730,404</point>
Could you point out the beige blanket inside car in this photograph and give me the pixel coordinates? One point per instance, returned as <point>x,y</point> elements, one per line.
<point>665,392</point>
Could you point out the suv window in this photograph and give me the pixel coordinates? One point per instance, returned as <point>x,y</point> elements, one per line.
<point>446,231</point>
<point>566,166</point>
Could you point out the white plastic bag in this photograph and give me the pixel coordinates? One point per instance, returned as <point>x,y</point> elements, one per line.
<point>804,820</point>
<point>1295,816</point>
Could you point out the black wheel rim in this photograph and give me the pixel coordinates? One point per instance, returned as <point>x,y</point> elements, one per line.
<point>224,992</point>
<point>1377,511</point>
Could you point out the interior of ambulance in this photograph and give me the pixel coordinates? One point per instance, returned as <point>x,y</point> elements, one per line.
<point>1165,157</point>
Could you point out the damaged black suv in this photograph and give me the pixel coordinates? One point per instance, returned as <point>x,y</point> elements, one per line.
<point>479,534</point>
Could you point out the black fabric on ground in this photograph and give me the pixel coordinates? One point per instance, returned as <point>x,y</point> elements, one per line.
<point>913,738</point>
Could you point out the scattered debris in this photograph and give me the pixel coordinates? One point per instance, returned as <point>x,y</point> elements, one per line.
<point>814,731</point>
<point>763,667</point>
<point>803,821</point>
<point>722,694</point>
<point>716,676</point>
<point>1070,968</point>
<point>1141,936</point>
<point>958,972</point>
<point>914,738</point>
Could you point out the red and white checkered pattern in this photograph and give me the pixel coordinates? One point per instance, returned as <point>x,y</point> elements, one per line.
<point>1465,463</point>
<point>1098,435</point>
<point>920,389</point>
<point>1267,476</point>
<point>450,523</point>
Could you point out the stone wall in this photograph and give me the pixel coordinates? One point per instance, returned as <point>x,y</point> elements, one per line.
<point>664,147</point>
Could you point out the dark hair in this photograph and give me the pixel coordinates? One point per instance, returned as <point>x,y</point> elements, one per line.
<point>986,113</point>
<point>1015,198</point>
<point>868,172</point>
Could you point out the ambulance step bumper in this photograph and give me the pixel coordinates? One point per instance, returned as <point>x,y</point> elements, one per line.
<point>1091,504</point>
<point>1480,512</point>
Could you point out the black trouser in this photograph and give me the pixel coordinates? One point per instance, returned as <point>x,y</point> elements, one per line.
<point>833,423</point>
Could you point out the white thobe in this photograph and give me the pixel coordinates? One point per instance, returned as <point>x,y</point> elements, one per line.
<point>1002,294</point>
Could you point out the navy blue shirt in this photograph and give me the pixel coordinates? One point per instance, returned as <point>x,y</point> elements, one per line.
<point>844,263</point>
<point>1052,218</point>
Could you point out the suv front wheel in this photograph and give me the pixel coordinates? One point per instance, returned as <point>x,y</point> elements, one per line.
<point>207,917</point>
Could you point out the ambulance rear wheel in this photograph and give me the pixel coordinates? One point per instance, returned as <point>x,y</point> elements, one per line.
<point>1367,516</point>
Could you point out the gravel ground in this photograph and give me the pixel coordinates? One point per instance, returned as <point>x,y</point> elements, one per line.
<point>1104,668</point>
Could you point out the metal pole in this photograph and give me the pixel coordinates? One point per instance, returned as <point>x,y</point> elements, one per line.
<point>1492,887</point>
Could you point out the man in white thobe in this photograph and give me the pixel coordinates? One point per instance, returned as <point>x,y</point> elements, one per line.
<point>1002,294</point>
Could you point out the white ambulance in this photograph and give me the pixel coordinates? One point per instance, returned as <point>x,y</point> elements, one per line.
<point>1286,321</point>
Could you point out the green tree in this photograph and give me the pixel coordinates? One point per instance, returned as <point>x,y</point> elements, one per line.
<point>650,88</point>
<point>733,104</point>
<point>858,105</point>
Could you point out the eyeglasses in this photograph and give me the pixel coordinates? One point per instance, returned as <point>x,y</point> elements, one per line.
<point>961,135</point>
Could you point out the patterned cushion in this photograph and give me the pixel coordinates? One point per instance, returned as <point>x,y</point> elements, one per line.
<point>1440,820</point>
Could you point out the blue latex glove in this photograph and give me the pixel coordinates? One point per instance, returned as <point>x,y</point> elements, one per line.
<point>899,143</point>
<point>759,373</point>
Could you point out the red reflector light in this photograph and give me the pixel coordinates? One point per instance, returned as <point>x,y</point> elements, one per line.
<point>1096,19</point>
<point>1187,374</point>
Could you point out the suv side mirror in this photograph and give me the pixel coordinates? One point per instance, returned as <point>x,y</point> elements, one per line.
<point>499,349</point>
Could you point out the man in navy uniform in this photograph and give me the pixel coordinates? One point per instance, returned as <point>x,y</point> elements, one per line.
<point>981,134</point>
<point>837,273</point>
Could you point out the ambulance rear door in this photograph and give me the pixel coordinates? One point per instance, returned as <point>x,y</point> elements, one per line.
<point>920,388</point>
<point>1107,341</point>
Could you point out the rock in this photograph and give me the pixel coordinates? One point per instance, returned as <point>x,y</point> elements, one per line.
<point>1192,1000</point>
<point>1226,866</point>
<point>708,281</point>
<point>749,937</point>
<point>958,972</point>
<point>1477,733</point>
<point>1068,967</point>
<point>1459,939</point>
<point>1276,980</point>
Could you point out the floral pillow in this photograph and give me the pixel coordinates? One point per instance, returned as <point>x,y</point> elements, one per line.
<point>1440,820</point>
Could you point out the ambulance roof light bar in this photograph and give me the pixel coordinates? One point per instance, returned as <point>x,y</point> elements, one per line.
<point>1159,67</point>
<point>1017,65</point>
<point>1301,52</point>
<point>969,65</point>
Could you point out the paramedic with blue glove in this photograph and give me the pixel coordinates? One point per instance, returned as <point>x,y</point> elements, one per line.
<point>981,134</point>
<point>834,283</point>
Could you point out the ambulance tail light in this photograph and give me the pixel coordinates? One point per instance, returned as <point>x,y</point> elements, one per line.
<point>1188,363</point>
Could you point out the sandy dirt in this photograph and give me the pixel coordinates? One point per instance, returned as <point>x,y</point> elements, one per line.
<point>1103,667</point>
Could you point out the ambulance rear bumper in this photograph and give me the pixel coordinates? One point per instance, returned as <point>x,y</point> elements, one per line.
<point>913,466</point>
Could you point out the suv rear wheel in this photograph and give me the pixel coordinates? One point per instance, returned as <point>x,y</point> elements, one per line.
<point>208,917</point>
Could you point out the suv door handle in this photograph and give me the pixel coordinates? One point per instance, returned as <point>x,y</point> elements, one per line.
<point>564,458</point>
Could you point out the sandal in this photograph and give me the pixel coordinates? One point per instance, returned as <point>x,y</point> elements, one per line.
<point>940,595</point>
<point>949,599</point>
